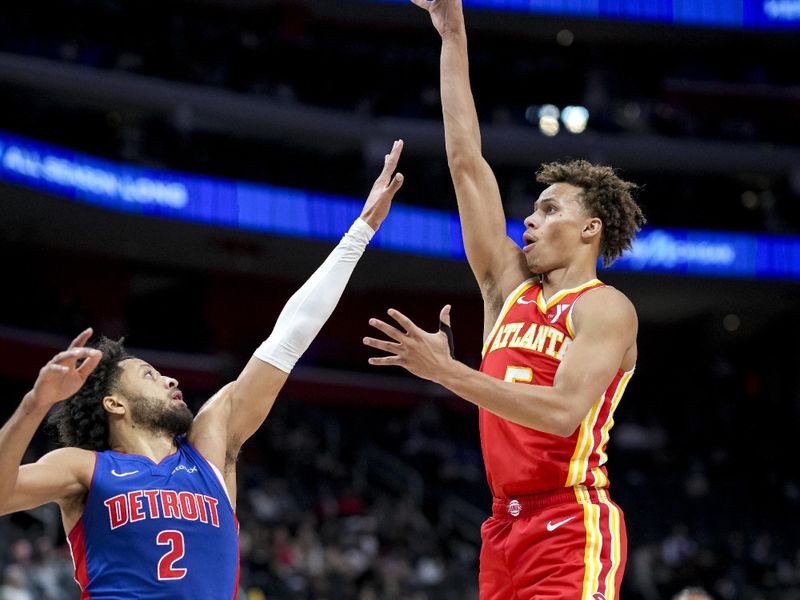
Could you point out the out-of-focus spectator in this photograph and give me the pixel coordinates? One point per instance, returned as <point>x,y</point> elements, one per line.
<point>16,585</point>
<point>693,593</point>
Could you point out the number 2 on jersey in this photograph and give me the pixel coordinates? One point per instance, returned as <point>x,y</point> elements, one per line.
<point>166,566</point>
<point>518,374</point>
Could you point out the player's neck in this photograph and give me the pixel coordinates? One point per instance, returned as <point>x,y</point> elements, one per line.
<point>151,444</point>
<point>566,278</point>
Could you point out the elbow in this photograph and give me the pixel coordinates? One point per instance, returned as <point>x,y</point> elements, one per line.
<point>463,160</point>
<point>563,424</point>
<point>5,508</point>
<point>566,428</point>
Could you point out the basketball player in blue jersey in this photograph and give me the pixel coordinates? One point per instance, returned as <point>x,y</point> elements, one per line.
<point>147,491</point>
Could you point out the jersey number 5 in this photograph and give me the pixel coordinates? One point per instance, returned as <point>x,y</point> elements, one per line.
<point>518,374</point>
<point>166,566</point>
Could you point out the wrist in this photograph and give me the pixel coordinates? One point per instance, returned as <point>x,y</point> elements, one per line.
<point>449,374</point>
<point>33,404</point>
<point>371,219</point>
<point>454,33</point>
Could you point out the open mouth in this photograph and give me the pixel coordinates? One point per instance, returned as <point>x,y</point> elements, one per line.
<point>528,240</point>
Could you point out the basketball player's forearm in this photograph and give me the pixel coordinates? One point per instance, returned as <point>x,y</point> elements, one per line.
<point>461,128</point>
<point>538,407</point>
<point>15,437</point>
<point>479,205</point>
<point>310,307</point>
<point>256,389</point>
<point>308,310</point>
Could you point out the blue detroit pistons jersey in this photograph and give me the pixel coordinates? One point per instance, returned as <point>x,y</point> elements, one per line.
<point>150,531</point>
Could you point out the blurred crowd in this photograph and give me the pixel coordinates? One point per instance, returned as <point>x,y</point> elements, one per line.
<point>341,503</point>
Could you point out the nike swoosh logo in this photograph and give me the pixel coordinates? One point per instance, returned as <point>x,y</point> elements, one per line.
<point>553,526</point>
<point>522,300</point>
<point>115,474</point>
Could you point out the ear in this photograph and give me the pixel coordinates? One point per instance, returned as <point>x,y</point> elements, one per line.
<point>114,405</point>
<point>592,229</point>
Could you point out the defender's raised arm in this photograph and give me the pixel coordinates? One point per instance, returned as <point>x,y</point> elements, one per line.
<point>239,409</point>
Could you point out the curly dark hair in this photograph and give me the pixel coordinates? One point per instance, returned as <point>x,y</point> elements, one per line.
<point>81,420</point>
<point>605,196</point>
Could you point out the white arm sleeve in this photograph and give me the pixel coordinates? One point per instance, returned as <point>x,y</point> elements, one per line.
<point>309,308</point>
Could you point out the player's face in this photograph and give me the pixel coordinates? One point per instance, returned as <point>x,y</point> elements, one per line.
<point>154,400</point>
<point>553,229</point>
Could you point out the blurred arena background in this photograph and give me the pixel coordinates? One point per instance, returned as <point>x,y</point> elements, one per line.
<point>171,172</point>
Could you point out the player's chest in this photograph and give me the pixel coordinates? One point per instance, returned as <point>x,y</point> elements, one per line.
<point>531,332</point>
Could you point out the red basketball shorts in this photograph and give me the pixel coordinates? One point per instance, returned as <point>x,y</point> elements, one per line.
<point>569,544</point>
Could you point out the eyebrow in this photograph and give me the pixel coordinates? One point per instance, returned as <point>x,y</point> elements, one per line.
<point>540,201</point>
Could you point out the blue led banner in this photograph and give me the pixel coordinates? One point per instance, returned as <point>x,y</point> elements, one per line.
<point>747,14</point>
<point>300,213</point>
<point>216,201</point>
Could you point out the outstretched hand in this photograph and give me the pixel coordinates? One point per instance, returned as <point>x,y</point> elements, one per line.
<point>383,190</point>
<point>426,355</point>
<point>447,16</point>
<point>63,376</point>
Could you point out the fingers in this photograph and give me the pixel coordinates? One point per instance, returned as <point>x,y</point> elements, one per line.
<point>396,183</point>
<point>403,320</point>
<point>88,365</point>
<point>444,315</point>
<point>70,357</point>
<point>382,345</point>
<point>385,361</point>
<point>390,331</point>
<point>390,163</point>
<point>394,155</point>
<point>391,347</point>
<point>82,338</point>
<point>444,327</point>
<point>58,369</point>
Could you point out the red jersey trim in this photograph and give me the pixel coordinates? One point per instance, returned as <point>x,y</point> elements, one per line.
<point>559,295</point>
<point>238,559</point>
<point>77,547</point>
<point>593,437</point>
<point>88,491</point>
<point>77,543</point>
<point>603,552</point>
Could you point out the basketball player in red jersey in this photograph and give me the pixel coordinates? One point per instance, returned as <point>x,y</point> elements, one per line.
<point>559,349</point>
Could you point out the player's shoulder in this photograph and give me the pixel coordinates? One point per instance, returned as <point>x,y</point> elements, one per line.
<point>68,456</point>
<point>77,461</point>
<point>606,303</point>
<point>608,294</point>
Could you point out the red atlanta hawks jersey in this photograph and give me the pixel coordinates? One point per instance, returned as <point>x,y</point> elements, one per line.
<point>530,338</point>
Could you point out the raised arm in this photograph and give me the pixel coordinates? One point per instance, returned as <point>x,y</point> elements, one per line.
<point>605,341</point>
<point>62,474</point>
<point>239,409</point>
<point>496,261</point>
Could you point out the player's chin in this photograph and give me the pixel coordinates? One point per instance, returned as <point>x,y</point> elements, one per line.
<point>184,411</point>
<point>534,263</point>
<point>179,420</point>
